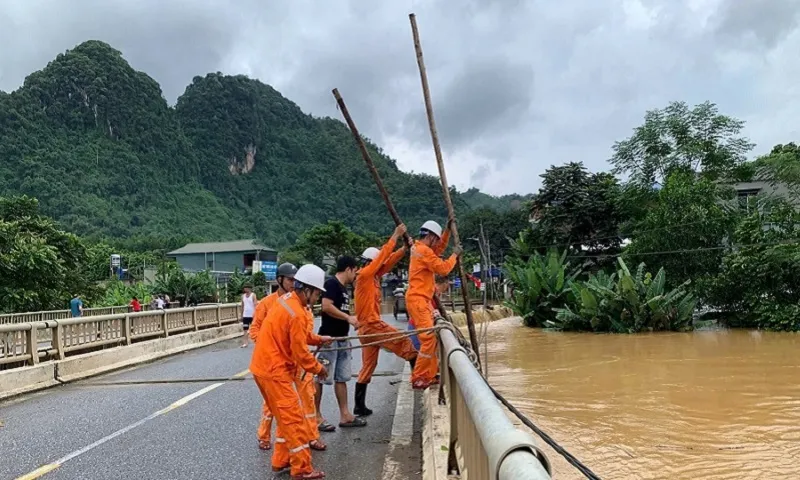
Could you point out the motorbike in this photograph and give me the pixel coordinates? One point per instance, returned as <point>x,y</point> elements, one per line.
<point>400,303</point>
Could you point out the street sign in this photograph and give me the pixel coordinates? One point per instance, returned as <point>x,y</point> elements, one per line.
<point>270,270</point>
<point>457,282</point>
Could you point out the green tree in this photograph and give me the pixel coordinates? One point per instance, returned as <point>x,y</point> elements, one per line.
<point>757,284</point>
<point>780,166</point>
<point>684,228</point>
<point>577,208</point>
<point>41,266</point>
<point>677,137</point>
<point>330,239</point>
<point>498,228</point>
<point>186,288</point>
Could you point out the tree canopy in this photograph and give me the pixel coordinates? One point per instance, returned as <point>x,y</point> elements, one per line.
<point>40,264</point>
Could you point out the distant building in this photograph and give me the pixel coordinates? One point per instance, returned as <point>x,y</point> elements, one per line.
<point>762,187</point>
<point>223,257</point>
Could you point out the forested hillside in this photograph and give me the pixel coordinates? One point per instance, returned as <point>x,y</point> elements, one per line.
<point>98,145</point>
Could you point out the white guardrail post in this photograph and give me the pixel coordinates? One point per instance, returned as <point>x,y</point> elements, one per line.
<point>483,441</point>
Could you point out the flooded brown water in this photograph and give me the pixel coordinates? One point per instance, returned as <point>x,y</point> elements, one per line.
<point>710,405</point>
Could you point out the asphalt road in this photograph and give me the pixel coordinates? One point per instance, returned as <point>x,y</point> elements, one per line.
<point>113,427</point>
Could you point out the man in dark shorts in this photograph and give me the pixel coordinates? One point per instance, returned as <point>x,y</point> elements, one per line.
<point>336,321</point>
<point>249,301</point>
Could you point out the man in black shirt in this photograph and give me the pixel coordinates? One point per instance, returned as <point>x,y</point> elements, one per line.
<point>336,321</point>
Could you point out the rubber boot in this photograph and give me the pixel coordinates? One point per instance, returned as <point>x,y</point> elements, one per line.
<point>413,363</point>
<point>360,409</point>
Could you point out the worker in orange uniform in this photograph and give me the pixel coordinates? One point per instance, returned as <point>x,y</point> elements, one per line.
<point>281,350</point>
<point>375,264</point>
<point>285,279</point>
<point>425,264</point>
<point>307,389</point>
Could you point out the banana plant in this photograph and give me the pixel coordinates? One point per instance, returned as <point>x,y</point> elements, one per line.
<point>540,285</point>
<point>626,302</point>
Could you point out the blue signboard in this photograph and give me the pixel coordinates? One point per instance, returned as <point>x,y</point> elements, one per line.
<point>270,270</point>
<point>457,282</point>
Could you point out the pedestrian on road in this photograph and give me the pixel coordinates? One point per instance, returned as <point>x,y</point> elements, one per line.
<point>249,301</point>
<point>375,264</point>
<point>425,264</point>
<point>135,305</point>
<point>280,351</point>
<point>76,306</point>
<point>285,279</point>
<point>336,322</point>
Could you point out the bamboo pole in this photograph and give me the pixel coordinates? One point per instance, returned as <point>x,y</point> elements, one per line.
<point>377,178</point>
<point>473,339</point>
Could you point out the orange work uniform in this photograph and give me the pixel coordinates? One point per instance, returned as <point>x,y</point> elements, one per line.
<point>281,350</point>
<point>368,312</point>
<point>424,266</point>
<point>264,432</point>
<point>304,382</point>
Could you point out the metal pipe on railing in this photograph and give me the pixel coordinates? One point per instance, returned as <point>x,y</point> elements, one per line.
<point>511,453</point>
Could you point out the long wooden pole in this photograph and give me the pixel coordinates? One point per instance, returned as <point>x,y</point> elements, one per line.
<point>376,176</point>
<point>473,337</point>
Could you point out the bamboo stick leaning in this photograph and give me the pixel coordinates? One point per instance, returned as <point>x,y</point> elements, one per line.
<point>473,338</point>
<point>376,177</point>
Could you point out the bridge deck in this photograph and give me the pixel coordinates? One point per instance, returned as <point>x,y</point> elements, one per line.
<point>116,431</point>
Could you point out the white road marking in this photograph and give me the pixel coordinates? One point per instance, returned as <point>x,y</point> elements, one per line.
<point>177,404</point>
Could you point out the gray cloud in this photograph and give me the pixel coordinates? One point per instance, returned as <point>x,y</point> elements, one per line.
<point>765,21</point>
<point>517,85</point>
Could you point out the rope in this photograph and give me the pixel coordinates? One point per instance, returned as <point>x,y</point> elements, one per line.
<point>388,337</point>
<point>521,416</point>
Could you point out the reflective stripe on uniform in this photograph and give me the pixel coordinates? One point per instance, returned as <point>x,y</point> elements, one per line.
<point>286,306</point>
<point>280,440</point>
<point>311,415</point>
<point>298,449</point>
<point>424,355</point>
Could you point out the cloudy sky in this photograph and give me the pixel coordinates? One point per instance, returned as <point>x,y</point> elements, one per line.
<point>517,85</point>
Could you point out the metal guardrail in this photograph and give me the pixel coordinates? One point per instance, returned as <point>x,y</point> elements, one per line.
<point>484,444</point>
<point>46,315</point>
<point>28,343</point>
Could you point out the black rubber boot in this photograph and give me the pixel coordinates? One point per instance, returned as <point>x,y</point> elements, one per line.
<point>360,409</point>
<point>413,363</point>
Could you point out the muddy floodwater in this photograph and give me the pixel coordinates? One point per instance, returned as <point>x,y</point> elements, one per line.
<point>704,405</point>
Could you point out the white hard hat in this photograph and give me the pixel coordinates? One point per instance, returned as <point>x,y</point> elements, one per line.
<point>432,227</point>
<point>311,275</point>
<point>370,254</point>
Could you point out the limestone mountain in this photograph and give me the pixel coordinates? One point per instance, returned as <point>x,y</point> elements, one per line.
<point>96,142</point>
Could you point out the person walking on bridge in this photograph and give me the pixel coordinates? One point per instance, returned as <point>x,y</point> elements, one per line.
<point>280,351</point>
<point>249,300</point>
<point>377,263</point>
<point>285,280</point>
<point>425,264</point>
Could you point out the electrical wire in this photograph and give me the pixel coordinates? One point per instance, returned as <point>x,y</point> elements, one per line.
<point>789,242</point>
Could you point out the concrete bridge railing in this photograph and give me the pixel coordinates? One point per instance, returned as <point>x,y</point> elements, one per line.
<point>46,315</point>
<point>28,343</point>
<point>484,444</point>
